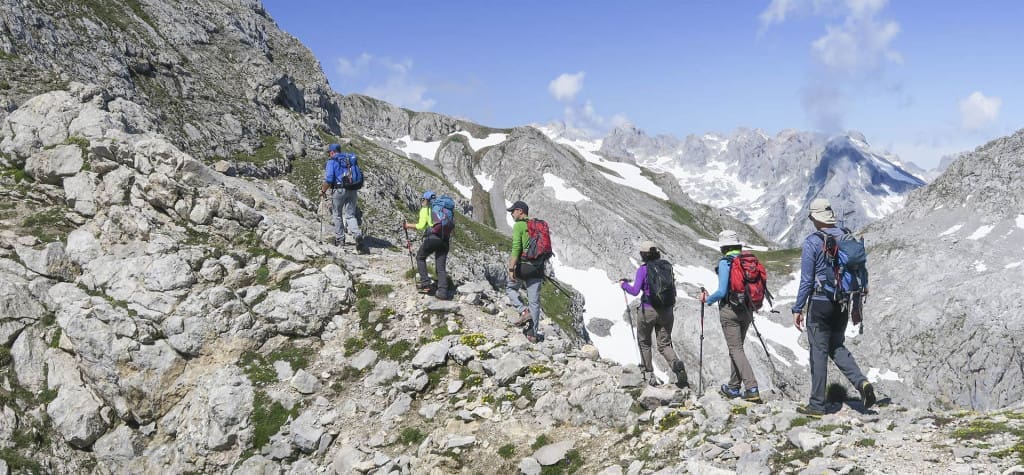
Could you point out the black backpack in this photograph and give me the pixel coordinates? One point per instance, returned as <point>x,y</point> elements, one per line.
<point>660,288</point>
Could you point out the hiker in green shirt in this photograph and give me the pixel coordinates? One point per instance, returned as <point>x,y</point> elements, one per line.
<point>524,274</point>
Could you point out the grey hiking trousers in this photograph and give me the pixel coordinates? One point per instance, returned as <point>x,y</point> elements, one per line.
<point>533,295</point>
<point>660,322</point>
<point>735,321</point>
<point>826,334</point>
<point>344,202</point>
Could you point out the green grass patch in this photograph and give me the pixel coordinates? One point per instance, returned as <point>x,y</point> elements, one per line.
<point>260,368</point>
<point>828,428</point>
<point>536,369</point>
<point>507,451</point>
<point>16,174</point>
<point>780,262</point>
<point>740,410</point>
<point>267,418</point>
<point>354,345</point>
<point>799,421</point>
<point>670,420</point>
<point>18,463</point>
<point>364,291</point>
<point>1017,450</point>
<point>865,443</point>
<point>540,441</point>
<point>395,352</point>
<point>477,237</point>
<point>262,275</point>
<point>473,340</point>
<point>441,332</point>
<point>411,436</point>
<point>685,217</point>
<point>572,463</point>
<point>981,428</point>
<point>266,152</point>
<point>558,306</point>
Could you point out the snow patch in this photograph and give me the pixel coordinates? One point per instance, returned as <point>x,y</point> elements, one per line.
<point>477,144</point>
<point>486,181</point>
<point>980,266</point>
<point>875,375</point>
<point>1013,265</point>
<point>508,216</point>
<point>563,192</point>
<point>626,174</point>
<point>427,150</point>
<point>980,233</point>
<point>466,191</point>
<point>952,229</point>
<point>1020,221</point>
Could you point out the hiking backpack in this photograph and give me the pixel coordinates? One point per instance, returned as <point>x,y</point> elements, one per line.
<point>442,214</point>
<point>351,175</point>
<point>539,245</point>
<point>748,280</point>
<point>847,258</point>
<point>660,284</point>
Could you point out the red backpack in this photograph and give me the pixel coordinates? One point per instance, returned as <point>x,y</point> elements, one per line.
<point>539,246</point>
<point>748,280</point>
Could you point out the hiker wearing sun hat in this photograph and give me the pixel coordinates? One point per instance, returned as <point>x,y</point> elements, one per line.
<point>826,321</point>
<point>656,315</point>
<point>735,316</point>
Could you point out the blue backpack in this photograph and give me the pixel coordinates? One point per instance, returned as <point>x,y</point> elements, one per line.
<point>847,258</point>
<point>351,175</point>
<point>442,214</point>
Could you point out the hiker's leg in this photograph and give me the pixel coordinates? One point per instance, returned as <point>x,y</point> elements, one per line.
<point>337,200</point>
<point>733,340</point>
<point>421,262</point>
<point>818,335</point>
<point>533,293</point>
<point>663,331</point>
<point>441,263</point>
<point>644,326</point>
<point>744,316</point>
<point>512,291</point>
<point>349,211</point>
<point>837,349</point>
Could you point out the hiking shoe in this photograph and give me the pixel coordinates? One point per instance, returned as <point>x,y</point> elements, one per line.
<point>752,395</point>
<point>810,411</point>
<point>532,337</point>
<point>728,392</point>
<point>681,380</point>
<point>425,288</point>
<point>361,247</point>
<point>524,317</point>
<point>867,394</point>
<point>339,241</point>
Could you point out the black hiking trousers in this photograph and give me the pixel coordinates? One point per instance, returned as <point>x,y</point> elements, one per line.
<point>826,334</point>
<point>433,244</point>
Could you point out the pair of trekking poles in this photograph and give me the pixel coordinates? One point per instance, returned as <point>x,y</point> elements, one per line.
<point>700,372</point>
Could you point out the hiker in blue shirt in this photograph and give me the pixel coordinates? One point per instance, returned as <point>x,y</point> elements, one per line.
<point>826,320</point>
<point>343,201</point>
<point>735,317</point>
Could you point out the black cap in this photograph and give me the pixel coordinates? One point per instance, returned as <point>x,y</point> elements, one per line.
<point>519,205</point>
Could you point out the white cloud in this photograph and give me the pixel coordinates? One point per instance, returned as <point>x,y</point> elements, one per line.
<point>977,110</point>
<point>565,87</point>
<point>852,53</point>
<point>399,86</point>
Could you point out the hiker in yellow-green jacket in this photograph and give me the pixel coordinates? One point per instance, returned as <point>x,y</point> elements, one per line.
<point>436,240</point>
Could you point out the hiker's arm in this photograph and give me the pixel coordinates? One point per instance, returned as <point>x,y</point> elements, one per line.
<point>807,272</point>
<point>723,283</point>
<point>518,243</point>
<point>423,222</point>
<point>638,281</point>
<point>330,176</point>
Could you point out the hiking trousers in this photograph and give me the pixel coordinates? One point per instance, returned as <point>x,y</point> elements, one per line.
<point>659,321</point>
<point>433,244</point>
<point>532,293</point>
<point>735,321</point>
<point>344,209</point>
<point>826,328</point>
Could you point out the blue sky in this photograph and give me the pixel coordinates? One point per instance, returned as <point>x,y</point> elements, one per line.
<point>921,79</point>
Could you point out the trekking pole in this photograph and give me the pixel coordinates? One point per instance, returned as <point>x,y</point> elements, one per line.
<point>408,246</point>
<point>700,371</point>
<point>632,330</point>
<point>779,381</point>
<point>557,286</point>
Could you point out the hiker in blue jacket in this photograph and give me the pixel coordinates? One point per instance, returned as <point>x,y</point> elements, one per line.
<point>735,318</point>
<point>653,320</point>
<point>826,320</point>
<point>344,201</point>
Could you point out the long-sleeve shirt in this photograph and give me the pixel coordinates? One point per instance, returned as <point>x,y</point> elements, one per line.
<point>520,238</point>
<point>426,221</point>
<point>639,284</point>
<point>815,269</point>
<point>724,266</point>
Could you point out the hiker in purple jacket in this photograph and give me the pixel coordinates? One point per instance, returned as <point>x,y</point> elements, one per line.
<point>658,320</point>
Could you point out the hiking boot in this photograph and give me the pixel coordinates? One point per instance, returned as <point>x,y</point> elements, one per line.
<point>339,241</point>
<point>867,394</point>
<point>524,317</point>
<point>442,295</point>
<point>810,411</point>
<point>361,247</point>
<point>752,395</point>
<point>728,392</point>
<point>532,338</point>
<point>681,381</point>
<point>425,287</point>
